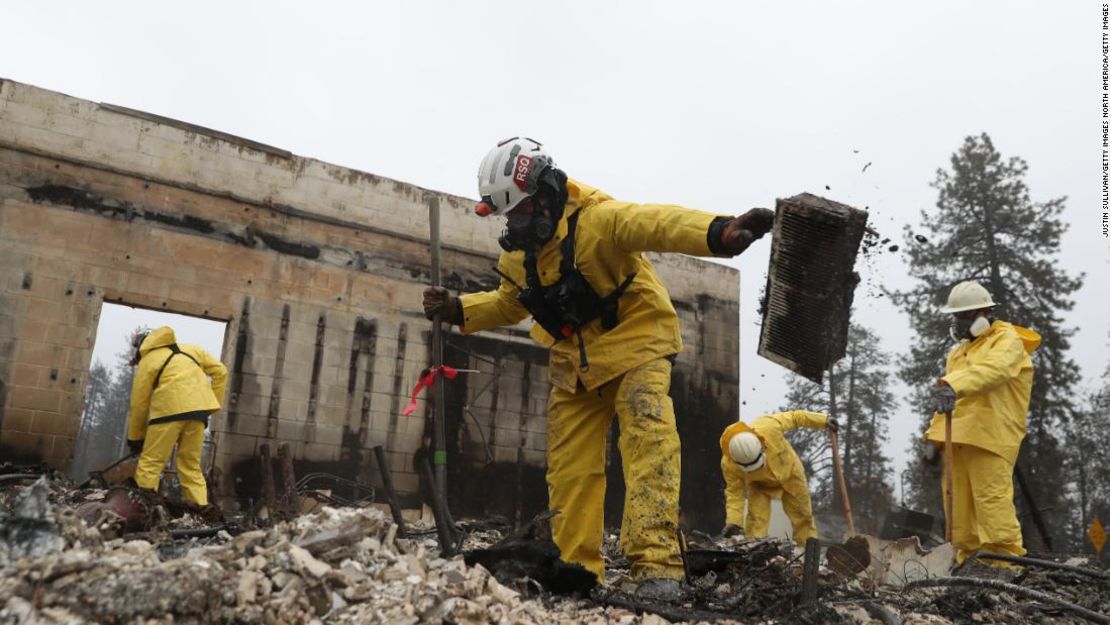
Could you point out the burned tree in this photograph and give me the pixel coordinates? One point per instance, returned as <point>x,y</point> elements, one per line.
<point>985,227</point>
<point>862,401</point>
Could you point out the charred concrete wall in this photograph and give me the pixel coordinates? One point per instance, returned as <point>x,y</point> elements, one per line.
<point>318,270</point>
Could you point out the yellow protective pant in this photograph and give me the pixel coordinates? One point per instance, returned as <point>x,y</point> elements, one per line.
<point>983,498</point>
<point>188,435</point>
<point>794,492</point>
<point>577,432</point>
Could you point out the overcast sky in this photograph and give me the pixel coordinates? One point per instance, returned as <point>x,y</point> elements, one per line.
<point>720,106</point>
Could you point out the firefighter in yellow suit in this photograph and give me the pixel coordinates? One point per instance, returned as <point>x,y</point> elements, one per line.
<point>171,398</point>
<point>573,261</point>
<point>758,458</point>
<point>987,383</point>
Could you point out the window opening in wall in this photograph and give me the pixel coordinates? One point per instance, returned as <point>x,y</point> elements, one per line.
<point>102,438</point>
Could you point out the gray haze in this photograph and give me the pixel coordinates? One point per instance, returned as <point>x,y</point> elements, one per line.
<point>714,105</point>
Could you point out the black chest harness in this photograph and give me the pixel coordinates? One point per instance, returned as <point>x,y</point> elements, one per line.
<point>194,415</point>
<point>176,350</point>
<point>562,309</point>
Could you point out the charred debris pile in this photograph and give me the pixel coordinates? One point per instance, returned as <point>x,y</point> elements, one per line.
<point>68,555</point>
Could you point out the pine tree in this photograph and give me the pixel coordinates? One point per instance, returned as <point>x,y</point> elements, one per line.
<point>96,397</point>
<point>985,227</point>
<point>862,402</point>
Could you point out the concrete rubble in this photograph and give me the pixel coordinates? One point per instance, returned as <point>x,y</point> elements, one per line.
<point>348,565</point>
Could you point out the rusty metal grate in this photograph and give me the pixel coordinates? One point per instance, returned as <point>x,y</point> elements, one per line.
<point>810,283</point>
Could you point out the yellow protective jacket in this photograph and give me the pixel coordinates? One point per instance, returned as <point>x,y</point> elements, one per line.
<point>183,387</point>
<point>993,378</point>
<point>779,473</point>
<point>609,241</point>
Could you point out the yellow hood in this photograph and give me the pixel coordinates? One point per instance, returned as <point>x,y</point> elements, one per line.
<point>1029,339</point>
<point>157,338</point>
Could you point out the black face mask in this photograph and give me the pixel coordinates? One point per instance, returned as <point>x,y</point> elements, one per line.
<point>526,231</point>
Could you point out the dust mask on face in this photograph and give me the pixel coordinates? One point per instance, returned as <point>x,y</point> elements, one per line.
<point>979,326</point>
<point>967,329</point>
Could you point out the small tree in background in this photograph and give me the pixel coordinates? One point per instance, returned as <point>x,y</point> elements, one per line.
<point>1088,467</point>
<point>103,432</point>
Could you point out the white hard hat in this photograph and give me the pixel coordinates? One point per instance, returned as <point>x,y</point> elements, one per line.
<point>747,451</point>
<point>968,295</point>
<point>509,173</point>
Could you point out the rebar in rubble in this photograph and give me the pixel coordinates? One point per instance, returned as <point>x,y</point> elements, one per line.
<point>391,493</point>
<point>1047,564</point>
<point>1014,589</point>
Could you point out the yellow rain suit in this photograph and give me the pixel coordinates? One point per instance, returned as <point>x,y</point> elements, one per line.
<point>993,378</point>
<point>628,375</point>
<point>782,476</point>
<point>174,412</point>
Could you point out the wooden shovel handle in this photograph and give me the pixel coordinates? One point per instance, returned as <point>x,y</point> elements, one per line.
<point>948,476</point>
<point>840,481</point>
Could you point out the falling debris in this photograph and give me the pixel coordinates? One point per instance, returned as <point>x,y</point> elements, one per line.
<point>920,238</point>
<point>892,248</point>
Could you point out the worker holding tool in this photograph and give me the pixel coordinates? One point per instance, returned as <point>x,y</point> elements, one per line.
<point>986,387</point>
<point>171,398</point>
<point>758,458</point>
<point>573,261</point>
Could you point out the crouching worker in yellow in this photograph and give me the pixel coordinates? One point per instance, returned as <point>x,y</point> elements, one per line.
<point>171,399</point>
<point>573,261</point>
<point>988,379</point>
<point>758,457</point>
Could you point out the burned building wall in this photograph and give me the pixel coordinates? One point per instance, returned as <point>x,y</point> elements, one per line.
<point>317,269</point>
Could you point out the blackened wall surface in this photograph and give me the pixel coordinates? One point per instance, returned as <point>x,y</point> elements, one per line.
<point>318,271</point>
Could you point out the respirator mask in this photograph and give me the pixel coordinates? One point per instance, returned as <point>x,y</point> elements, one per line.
<point>531,229</point>
<point>963,328</point>
<point>136,343</point>
<point>525,230</point>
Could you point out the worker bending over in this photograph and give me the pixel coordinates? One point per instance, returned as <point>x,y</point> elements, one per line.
<point>574,262</point>
<point>171,398</point>
<point>758,458</point>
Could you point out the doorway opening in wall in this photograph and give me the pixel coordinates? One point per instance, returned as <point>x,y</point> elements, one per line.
<point>102,438</point>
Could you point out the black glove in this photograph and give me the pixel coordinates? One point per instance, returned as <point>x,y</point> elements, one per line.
<point>438,300</point>
<point>731,530</point>
<point>944,397</point>
<point>135,446</point>
<point>832,424</point>
<point>740,232</point>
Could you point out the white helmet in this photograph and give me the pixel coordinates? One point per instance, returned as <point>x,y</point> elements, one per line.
<point>747,451</point>
<point>509,173</point>
<point>968,295</point>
